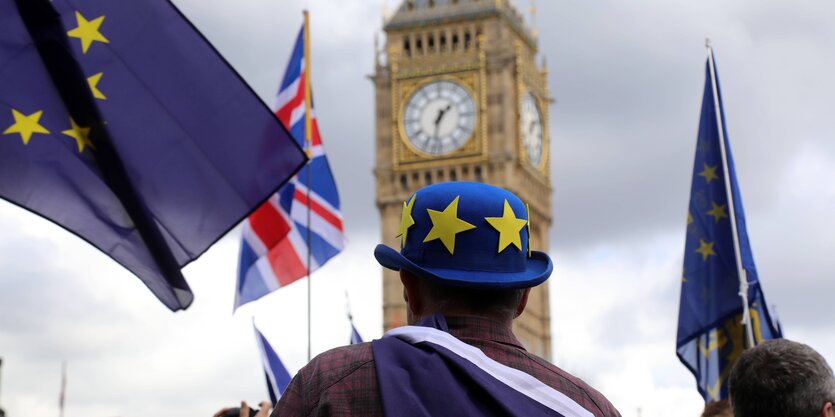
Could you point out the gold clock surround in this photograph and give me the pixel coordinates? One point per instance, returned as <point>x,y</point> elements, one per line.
<point>406,153</point>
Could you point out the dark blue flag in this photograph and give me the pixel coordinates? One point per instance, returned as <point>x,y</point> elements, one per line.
<point>277,376</point>
<point>355,335</point>
<point>711,335</point>
<point>121,124</point>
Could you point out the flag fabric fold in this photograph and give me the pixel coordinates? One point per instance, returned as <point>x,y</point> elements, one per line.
<point>711,335</point>
<point>276,374</point>
<point>274,246</point>
<point>160,151</point>
<point>418,364</point>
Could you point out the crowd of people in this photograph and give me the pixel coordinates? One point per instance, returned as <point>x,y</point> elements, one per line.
<point>467,270</point>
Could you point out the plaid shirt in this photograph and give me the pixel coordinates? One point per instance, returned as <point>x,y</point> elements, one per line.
<point>343,381</point>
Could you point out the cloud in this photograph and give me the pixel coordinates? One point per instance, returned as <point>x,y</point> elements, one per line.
<point>71,303</point>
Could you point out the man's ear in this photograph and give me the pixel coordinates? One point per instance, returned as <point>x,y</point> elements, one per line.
<point>828,410</point>
<point>522,303</point>
<point>412,292</point>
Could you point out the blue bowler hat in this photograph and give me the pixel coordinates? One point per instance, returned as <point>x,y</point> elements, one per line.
<point>467,234</point>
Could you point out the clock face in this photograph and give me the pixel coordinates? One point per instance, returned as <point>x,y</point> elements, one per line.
<point>531,121</point>
<point>439,117</point>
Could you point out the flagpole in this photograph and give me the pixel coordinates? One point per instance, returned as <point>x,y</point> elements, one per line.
<point>308,134</point>
<point>63,388</point>
<point>743,277</point>
<point>2,413</point>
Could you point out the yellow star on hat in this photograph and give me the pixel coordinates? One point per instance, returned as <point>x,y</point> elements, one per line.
<point>446,224</point>
<point>406,221</point>
<point>508,226</point>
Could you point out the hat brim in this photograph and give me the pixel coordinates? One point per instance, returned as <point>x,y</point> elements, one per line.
<point>537,269</point>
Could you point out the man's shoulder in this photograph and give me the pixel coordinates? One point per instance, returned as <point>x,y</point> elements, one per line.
<point>334,365</point>
<point>339,382</point>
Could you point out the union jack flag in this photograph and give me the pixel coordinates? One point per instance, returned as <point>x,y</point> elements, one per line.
<point>274,248</point>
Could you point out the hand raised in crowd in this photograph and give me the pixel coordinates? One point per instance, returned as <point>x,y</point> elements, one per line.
<point>245,411</point>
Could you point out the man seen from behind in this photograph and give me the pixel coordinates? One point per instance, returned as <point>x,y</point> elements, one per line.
<point>467,271</point>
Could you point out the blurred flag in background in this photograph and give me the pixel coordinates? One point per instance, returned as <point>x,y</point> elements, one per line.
<point>277,376</point>
<point>711,335</point>
<point>275,243</point>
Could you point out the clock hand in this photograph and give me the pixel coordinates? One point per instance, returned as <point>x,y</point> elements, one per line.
<point>441,113</point>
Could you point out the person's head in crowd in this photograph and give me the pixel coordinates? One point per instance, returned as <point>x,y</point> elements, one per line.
<point>718,409</point>
<point>782,378</point>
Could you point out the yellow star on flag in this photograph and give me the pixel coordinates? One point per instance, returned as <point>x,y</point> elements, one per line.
<point>689,218</point>
<point>709,173</point>
<point>706,249</point>
<point>446,224</point>
<point>87,31</point>
<point>406,221</point>
<point>718,212</point>
<point>25,125</point>
<point>93,81</point>
<point>508,226</point>
<point>80,134</point>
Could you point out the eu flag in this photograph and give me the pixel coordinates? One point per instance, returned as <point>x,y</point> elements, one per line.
<point>121,124</point>
<point>711,335</point>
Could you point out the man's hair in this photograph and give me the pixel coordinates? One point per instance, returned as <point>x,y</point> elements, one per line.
<point>494,303</point>
<point>718,409</point>
<point>780,378</point>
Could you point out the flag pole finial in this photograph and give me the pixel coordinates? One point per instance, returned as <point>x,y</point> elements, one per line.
<point>707,43</point>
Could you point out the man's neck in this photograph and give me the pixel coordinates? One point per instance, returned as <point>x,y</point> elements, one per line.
<point>501,321</point>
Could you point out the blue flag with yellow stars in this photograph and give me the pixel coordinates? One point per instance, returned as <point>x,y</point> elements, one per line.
<point>120,123</point>
<point>711,335</point>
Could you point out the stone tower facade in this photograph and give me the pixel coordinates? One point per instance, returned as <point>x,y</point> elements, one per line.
<point>459,96</point>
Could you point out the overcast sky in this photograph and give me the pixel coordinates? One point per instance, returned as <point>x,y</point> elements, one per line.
<point>628,80</point>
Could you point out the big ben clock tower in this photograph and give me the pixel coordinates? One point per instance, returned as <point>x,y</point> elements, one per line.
<point>459,97</point>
